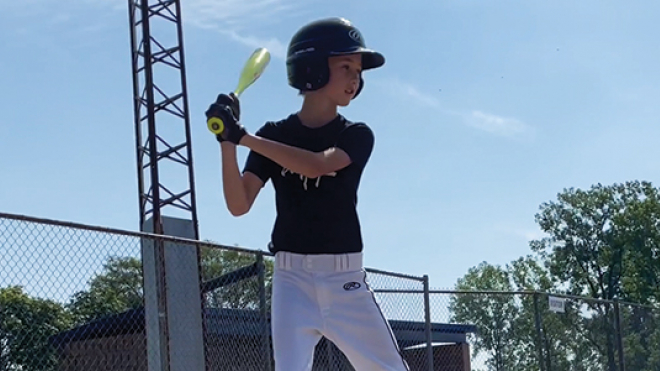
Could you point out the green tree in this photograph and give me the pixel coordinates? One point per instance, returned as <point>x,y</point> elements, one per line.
<point>515,330</point>
<point>527,275</point>
<point>495,315</point>
<point>26,324</point>
<point>641,337</point>
<point>547,340</point>
<point>118,287</point>
<point>603,243</point>
<point>243,294</point>
<point>518,331</point>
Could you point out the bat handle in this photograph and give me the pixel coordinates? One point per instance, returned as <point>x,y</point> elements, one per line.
<point>239,90</point>
<point>215,125</point>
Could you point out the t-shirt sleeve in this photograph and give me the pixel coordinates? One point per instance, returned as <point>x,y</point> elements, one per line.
<point>258,164</point>
<point>357,141</point>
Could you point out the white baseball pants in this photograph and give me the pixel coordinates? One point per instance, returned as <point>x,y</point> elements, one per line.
<point>327,295</point>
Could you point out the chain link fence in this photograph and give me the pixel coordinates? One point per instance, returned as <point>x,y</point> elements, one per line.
<point>72,297</point>
<point>537,331</point>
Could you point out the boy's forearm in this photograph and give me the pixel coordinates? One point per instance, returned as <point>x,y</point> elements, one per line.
<point>298,160</point>
<point>232,181</point>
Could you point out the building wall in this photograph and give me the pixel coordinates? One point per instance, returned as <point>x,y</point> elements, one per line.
<point>111,353</point>
<point>451,357</point>
<point>128,353</point>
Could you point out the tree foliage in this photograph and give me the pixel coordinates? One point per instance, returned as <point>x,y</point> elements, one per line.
<point>604,242</point>
<point>494,314</point>
<point>118,287</point>
<point>601,243</point>
<point>244,294</point>
<point>26,324</point>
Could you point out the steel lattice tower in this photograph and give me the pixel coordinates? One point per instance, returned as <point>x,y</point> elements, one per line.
<point>166,186</point>
<point>160,102</point>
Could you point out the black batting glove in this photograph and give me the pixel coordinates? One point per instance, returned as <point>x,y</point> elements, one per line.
<point>232,101</point>
<point>233,131</point>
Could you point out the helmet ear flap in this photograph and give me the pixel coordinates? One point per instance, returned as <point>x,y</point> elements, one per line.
<point>308,74</point>
<point>316,76</point>
<point>359,89</point>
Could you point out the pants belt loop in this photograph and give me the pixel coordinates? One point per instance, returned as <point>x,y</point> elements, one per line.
<point>341,263</point>
<point>283,260</point>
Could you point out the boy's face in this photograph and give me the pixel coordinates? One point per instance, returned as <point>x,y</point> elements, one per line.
<point>344,78</point>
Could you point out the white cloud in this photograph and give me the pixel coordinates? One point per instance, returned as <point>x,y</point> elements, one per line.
<point>422,98</point>
<point>488,122</point>
<point>223,13</point>
<point>276,47</point>
<point>38,7</point>
<point>408,91</point>
<point>239,19</point>
<point>529,235</point>
<point>518,231</point>
<point>498,125</point>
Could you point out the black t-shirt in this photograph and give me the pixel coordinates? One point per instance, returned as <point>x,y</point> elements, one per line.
<point>315,216</point>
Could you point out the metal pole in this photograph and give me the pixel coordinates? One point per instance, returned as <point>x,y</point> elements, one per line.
<point>537,322</point>
<point>264,313</point>
<point>427,315</point>
<point>619,335</point>
<point>157,228</point>
<point>162,305</point>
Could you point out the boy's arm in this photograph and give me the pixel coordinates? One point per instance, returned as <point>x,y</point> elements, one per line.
<point>301,161</point>
<point>304,162</point>
<point>240,191</point>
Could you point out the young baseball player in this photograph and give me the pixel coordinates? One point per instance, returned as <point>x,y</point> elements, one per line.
<point>315,159</point>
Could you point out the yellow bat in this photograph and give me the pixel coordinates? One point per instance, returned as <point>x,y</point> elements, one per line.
<point>253,68</point>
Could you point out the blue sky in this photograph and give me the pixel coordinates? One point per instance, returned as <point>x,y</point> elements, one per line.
<point>483,111</point>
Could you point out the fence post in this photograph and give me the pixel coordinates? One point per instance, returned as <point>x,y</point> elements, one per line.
<point>264,311</point>
<point>619,335</point>
<point>537,322</point>
<point>427,319</point>
<point>174,317</point>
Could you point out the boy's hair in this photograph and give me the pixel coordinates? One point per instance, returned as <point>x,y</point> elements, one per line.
<point>310,48</point>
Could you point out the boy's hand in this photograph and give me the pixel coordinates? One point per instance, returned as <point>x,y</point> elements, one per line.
<point>233,131</point>
<point>232,101</point>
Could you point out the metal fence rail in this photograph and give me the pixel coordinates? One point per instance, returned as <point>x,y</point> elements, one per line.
<point>72,298</point>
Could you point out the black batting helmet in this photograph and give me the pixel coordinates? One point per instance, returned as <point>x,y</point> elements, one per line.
<point>310,47</point>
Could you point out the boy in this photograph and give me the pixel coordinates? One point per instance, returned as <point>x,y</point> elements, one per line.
<point>315,159</point>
